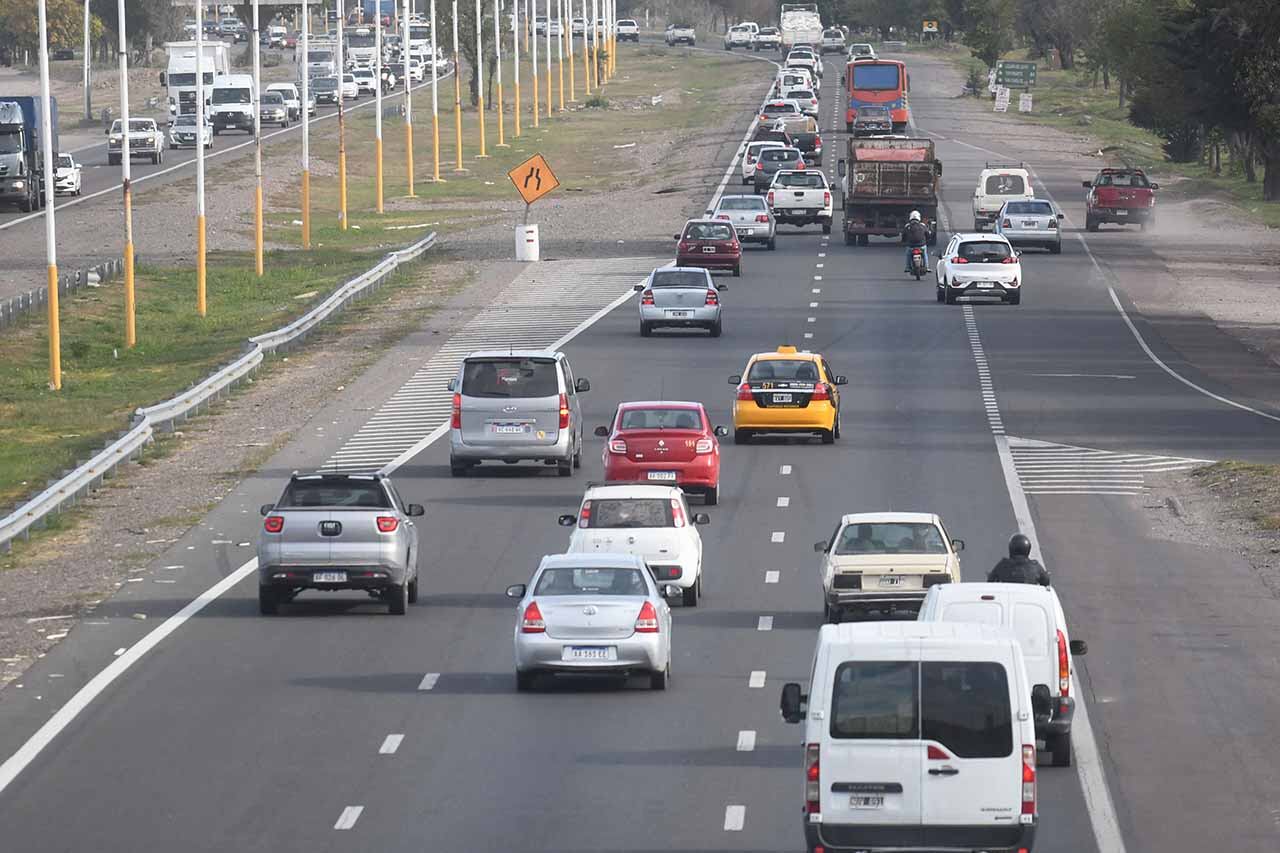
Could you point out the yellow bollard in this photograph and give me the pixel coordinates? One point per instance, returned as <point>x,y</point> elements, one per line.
<point>408,148</point>
<point>257,228</point>
<point>342,184</point>
<point>306,209</point>
<point>502,142</point>
<point>201,305</point>
<point>130,302</point>
<point>377,163</point>
<point>55,331</point>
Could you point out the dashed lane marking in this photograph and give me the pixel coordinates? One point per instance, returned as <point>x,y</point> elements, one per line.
<point>390,744</point>
<point>349,816</point>
<point>1045,468</point>
<point>429,681</point>
<point>984,372</point>
<point>734,817</point>
<point>771,576</point>
<point>765,623</point>
<point>746,740</point>
<point>778,536</point>
<point>756,678</point>
<point>784,502</point>
<point>784,470</point>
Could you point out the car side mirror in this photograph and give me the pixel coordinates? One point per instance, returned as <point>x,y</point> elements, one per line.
<point>675,236</point>
<point>266,509</point>
<point>415,510</point>
<point>1155,186</point>
<point>701,518</point>
<point>720,431</point>
<point>735,379</point>
<point>820,547</point>
<point>937,167</point>
<point>517,590</point>
<point>567,520</point>
<point>957,544</point>
<point>602,432</point>
<point>670,590</point>
<point>638,288</point>
<point>721,287</point>
<point>1086,184</point>
<point>1078,647</point>
<point>582,386</point>
<point>792,703</point>
<point>842,380</point>
<point>453,385</point>
<point>1040,701</point>
<point>1062,216</point>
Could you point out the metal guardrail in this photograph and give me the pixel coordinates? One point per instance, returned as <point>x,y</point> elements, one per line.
<point>146,421</point>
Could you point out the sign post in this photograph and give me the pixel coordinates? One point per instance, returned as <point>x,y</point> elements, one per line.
<point>532,179</point>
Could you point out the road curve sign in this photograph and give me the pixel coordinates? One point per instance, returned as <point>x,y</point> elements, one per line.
<point>533,179</point>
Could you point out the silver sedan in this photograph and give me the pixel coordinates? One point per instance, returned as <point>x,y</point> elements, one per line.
<point>1031,222</point>
<point>751,217</point>
<point>680,297</point>
<point>592,613</point>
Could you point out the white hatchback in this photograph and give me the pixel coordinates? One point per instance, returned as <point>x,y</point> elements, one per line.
<point>979,265</point>
<point>650,521</point>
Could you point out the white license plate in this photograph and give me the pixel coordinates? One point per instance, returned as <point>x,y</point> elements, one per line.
<point>890,580</point>
<point>676,315</point>
<point>866,802</point>
<point>782,398</point>
<point>1030,224</point>
<point>986,285</point>
<point>746,232</point>
<point>664,476</point>
<point>509,429</point>
<point>590,653</point>
<point>709,250</point>
<point>1122,213</point>
<point>329,577</point>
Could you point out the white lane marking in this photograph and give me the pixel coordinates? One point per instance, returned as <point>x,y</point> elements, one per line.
<point>784,502</point>
<point>771,576</point>
<point>1046,468</point>
<point>390,744</point>
<point>756,679</point>
<point>1084,375</point>
<point>811,319</point>
<point>119,651</point>
<point>746,740</point>
<point>817,278</point>
<point>734,817</point>
<point>17,762</point>
<point>822,254</point>
<point>1088,759</point>
<point>820,266</point>
<point>813,304</point>
<point>778,536</point>
<point>429,681</point>
<point>816,290</point>
<point>765,623</point>
<point>784,470</point>
<point>808,335</point>
<point>349,816</point>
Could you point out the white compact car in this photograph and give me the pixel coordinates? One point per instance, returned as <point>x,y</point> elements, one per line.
<point>292,99</point>
<point>1031,223</point>
<point>917,736</point>
<point>653,522</point>
<point>66,176</point>
<point>751,154</point>
<point>885,562</point>
<point>979,265</point>
<point>996,185</point>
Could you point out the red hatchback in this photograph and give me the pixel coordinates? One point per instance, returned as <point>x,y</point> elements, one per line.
<point>711,244</point>
<point>666,442</point>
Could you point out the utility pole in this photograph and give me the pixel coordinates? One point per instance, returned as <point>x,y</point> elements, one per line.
<point>342,126</point>
<point>497,54</point>
<point>480,77</point>
<point>306,128</point>
<point>201,304</point>
<point>377,108</point>
<point>88,94</point>
<point>130,327</point>
<point>50,233</point>
<point>257,145</point>
<point>515,43</point>
<point>457,96</point>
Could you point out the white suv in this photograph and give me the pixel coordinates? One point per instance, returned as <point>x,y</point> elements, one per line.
<point>652,522</point>
<point>996,185</point>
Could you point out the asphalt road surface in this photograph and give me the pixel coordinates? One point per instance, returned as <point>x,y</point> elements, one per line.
<point>237,732</point>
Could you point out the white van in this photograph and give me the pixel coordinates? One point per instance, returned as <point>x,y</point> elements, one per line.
<point>1035,616</point>
<point>918,736</point>
<point>996,185</point>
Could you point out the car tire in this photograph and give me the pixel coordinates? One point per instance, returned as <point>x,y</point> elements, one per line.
<point>716,329</point>
<point>268,601</point>
<point>741,436</point>
<point>828,436</point>
<point>746,181</point>
<point>830,615</point>
<point>1060,747</point>
<point>949,295</point>
<point>413,590</point>
<point>737,270</point>
<point>646,329</point>
<point>524,681</point>
<point>1055,248</point>
<point>565,468</point>
<point>112,160</point>
<point>1090,224</point>
<point>577,456</point>
<point>711,496</point>
<point>837,425</point>
<point>689,597</point>
<point>1015,298</point>
<point>826,227</point>
<point>398,599</point>
<point>850,239</point>
<point>772,244</point>
<point>458,469</point>
<point>659,680</point>
<point>940,293</point>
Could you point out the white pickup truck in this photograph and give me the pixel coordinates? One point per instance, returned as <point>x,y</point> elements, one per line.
<point>145,140</point>
<point>801,197</point>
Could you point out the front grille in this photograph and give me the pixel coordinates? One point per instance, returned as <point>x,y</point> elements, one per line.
<point>847,582</point>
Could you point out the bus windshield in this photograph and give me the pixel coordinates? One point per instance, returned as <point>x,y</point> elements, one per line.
<point>874,77</point>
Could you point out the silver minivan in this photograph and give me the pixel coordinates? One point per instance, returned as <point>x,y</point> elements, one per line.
<point>513,406</point>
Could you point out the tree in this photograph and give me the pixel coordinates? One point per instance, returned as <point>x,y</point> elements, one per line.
<point>990,32</point>
<point>20,25</point>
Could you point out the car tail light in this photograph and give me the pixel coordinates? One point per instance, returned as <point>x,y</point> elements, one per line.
<point>959,260</point>
<point>1064,667</point>
<point>769,198</point>
<point>617,445</point>
<point>1006,224</point>
<point>820,392</point>
<point>646,298</point>
<point>760,165</point>
<point>1012,259</point>
<point>388,523</point>
<point>762,217</point>
<point>812,779</point>
<point>704,445</point>
<point>1053,225</point>
<point>800,167</point>
<point>1028,779</point>
<point>684,247</point>
<point>455,420</point>
<point>826,199</point>
<point>817,140</point>
<point>713,298</point>
<point>584,515</point>
<point>722,216</point>
<point>744,392</point>
<point>564,411</point>
<point>677,513</point>
<point>647,621</point>
<point>532,622</point>
<point>273,523</point>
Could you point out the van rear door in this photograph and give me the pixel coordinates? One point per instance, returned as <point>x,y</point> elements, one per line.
<point>1038,637</point>
<point>510,401</point>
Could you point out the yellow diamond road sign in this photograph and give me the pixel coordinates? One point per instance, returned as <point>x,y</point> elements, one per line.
<point>533,179</point>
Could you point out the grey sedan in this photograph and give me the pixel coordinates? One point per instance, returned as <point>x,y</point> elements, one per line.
<point>1033,222</point>
<point>592,613</point>
<point>680,297</point>
<point>774,160</point>
<point>751,216</point>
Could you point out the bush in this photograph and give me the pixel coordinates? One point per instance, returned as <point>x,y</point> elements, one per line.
<point>597,102</point>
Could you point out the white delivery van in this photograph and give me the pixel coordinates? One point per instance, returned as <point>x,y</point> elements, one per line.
<point>1035,616</point>
<point>917,736</point>
<point>996,185</point>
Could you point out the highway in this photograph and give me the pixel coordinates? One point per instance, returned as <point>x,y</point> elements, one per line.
<point>236,732</point>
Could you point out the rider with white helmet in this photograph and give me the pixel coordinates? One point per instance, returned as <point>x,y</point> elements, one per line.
<point>916,235</point>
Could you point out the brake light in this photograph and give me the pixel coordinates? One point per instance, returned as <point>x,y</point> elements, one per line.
<point>455,420</point>
<point>826,199</point>
<point>1012,259</point>
<point>584,515</point>
<point>1006,224</point>
<point>820,392</point>
<point>959,260</point>
<point>646,298</point>
<point>812,779</point>
<point>647,621</point>
<point>388,523</point>
<point>817,140</point>
<point>532,622</point>
<point>1053,225</point>
<point>744,392</point>
<point>800,167</point>
<point>762,217</point>
<point>683,246</point>
<point>704,445</point>
<point>722,216</point>
<point>1028,779</point>
<point>677,513</point>
<point>1064,667</point>
<point>769,198</point>
<point>712,298</point>
<point>617,445</point>
<point>760,165</point>
<point>564,411</point>
<point>273,523</point>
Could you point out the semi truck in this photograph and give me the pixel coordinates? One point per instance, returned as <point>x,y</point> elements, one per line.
<point>322,58</point>
<point>23,170</point>
<point>179,77</point>
<point>882,180</point>
<point>801,24</point>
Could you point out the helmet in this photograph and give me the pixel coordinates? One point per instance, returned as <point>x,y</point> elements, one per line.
<point>1019,546</point>
<point>915,216</point>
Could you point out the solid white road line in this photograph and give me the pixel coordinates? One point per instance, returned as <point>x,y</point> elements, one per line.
<point>349,816</point>
<point>765,623</point>
<point>771,576</point>
<point>734,816</point>
<point>756,678</point>
<point>390,744</point>
<point>746,740</point>
<point>778,536</point>
<point>784,502</point>
<point>429,681</point>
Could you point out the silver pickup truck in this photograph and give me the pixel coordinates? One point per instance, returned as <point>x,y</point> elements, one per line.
<point>338,531</point>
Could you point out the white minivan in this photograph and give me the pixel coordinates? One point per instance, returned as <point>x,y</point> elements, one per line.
<point>917,736</point>
<point>1035,616</point>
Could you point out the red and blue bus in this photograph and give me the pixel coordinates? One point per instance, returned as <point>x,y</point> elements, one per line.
<point>878,82</point>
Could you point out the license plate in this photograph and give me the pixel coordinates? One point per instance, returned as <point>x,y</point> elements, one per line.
<point>509,429</point>
<point>866,802</point>
<point>1030,224</point>
<point>329,577</point>
<point>890,580</point>
<point>782,398</point>
<point>665,476</point>
<point>709,250</point>
<point>1122,213</point>
<point>590,653</point>
<point>986,285</point>
<point>675,315</point>
<point>747,232</point>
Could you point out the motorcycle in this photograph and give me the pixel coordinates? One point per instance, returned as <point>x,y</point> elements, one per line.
<point>917,262</point>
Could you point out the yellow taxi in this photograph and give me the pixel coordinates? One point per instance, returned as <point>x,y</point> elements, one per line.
<point>787,391</point>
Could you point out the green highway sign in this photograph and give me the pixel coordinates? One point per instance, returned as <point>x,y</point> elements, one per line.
<point>1016,75</point>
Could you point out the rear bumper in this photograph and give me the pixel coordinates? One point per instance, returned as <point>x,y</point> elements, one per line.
<point>874,599</point>
<point>1001,289</point>
<point>14,189</point>
<point>783,215</point>
<point>379,576</point>
<point>710,262</point>
<point>1121,214</point>
<point>702,473</point>
<point>1032,238</point>
<point>510,452</point>
<point>699,316</point>
<point>914,837</point>
<point>812,418</point>
<point>1059,722</point>
<point>638,652</point>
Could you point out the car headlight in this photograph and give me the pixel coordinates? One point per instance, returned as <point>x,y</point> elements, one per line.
<point>17,185</point>
<point>115,139</point>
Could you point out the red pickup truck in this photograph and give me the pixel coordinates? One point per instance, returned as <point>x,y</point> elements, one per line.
<point>1121,196</point>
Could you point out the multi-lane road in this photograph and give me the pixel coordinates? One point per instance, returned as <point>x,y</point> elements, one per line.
<point>335,727</point>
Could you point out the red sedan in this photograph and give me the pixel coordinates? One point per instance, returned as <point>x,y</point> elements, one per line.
<point>711,244</point>
<point>664,442</point>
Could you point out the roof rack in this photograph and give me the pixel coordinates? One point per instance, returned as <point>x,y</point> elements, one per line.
<point>1006,165</point>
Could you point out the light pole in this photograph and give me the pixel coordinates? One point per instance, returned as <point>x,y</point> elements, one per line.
<point>515,43</point>
<point>257,144</point>
<point>595,43</point>
<point>130,326</point>
<point>497,55</point>
<point>342,127</point>
<point>568,37</point>
<point>530,11</point>
<point>408,90</point>
<point>201,306</point>
<point>586,49</point>
<point>547,30</point>
<point>377,101</point>
<point>457,96</point>
<point>435,99</point>
<point>88,95</point>
<point>480,77</point>
<point>560,50</point>
<point>50,233</point>
<point>306,129</point>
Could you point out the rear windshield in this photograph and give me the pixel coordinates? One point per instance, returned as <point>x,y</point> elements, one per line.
<point>875,77</point>
<point>679,278</point>
<point>583,581</point>
<point>334,493</point>
<point>984,251</point>
<point>510,377</point>
<point>768,31</point>
<point>324,83</point>
<point>772,110</point>
<point>876,699</point>
<point>800,94</point>
<point>890,539</point>
<point>833,34</point>
<point>777,369</point>
<point>1028,208</point>
<point>708,231</point>
<point>967,708</point>
<point>1138,181</point>
<point>873,113</point>
<point>803,180</point>
<point>272,98</point>
<point>629,512</point>
<point>1005,185</point>
<point>745,202</point>
<point>779,155</point>
<point>660,419</point>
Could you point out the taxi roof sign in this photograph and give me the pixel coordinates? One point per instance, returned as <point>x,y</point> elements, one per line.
<point>533,179</point>
<point>786,348</point>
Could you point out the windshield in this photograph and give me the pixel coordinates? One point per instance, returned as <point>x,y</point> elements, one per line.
<point>779,155</point>
<point>769,31</point>
<point>510,377</point>
<point>775,110</point>
<point>708,231</point>
<point>185,121</point>
<point>10,143</point>
<point>272,99</point>
<point>801,180</point>
<point>189,79</point>
<point>417,32</point>
<point>135,125</point>
<point>627,512</point>
<point>833,34</point>
<point>681,418</point>
<point>873,113</point>
<point>319,56</point>
<point>891,538</point>
<point>743,202</point>
<point>882,78</point>
<point>584,581</point>
<point>861,49</point>
<point>1005,185</point>
<point>1029,208</point>
<point>784,370</point>
<point>65,161</point>
<point>680,278</point>
<point>362,41</point>
<point>802,94</point>
<point>875,699</point>
<point>334,493</point>
<point>1132,181</point>
<point>231,96</point>
<point>984,251</point>
<point>324,83</point>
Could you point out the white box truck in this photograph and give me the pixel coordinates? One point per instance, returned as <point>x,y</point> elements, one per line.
<point>801,24</point>
<point>179,77</point>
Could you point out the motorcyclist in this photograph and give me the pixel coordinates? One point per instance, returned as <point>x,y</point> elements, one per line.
<point>916,235</point>
<point>1018,567</point>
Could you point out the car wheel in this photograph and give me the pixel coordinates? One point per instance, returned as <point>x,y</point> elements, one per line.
<point>1060,747</point>
<point>829,614</point>
<point>1090,224</point>
<point>837,429</point>
<point>949,296</point>
<point>458,469</point>
<point>689,596</point>
<point>828,436</point>
<point>711,496</point>
<point>939,293</point>
<point>864,239</point>
<point>1015,298</point>
<point>1055,248</point>
<point>646,329</point>
<point>268,601</point>
<point>524,681</point>
<point>826,227</point>
<point>977,224</point>
<point>658,680</point>
<point>565,468</point>
<point>737,270</point>
<point>112,160</point>
<point>850,239</point>
<point>413,590</point>
<point>716,329</point>
<point>772,244</point>
<point>397,599</point>
<point>741,436</point>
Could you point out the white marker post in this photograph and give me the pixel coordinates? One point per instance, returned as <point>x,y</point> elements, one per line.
<point>306,129</point>
<point>497,55</point>
<point>377,100</point>
<point>130,325</point>
<point>480,77</point>
<point>408,92</point>
<point>257,143</point>
<point>515,41</point>
<point>342,126</point>
<point>547,30</point>
<point>201,305</point>
<point>50,233</point>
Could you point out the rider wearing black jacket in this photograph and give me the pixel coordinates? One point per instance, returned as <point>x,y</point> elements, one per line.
<point>1018,567</point>
<point>916,235</point>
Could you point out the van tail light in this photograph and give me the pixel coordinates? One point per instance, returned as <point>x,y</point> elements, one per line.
<point>1004,223</point>
<point>744,393</point>
<point>647,621</point>
<point>677,513</point>
<point>1012,259</point>
<point>273,524</point>
<point>826,199</point>
<point>1064,667</point>
<point>769,198</point>
<point>455,420</point>
<point>532,622</point>
<point>959,260</point>
<point>646,298</point>
<point>820,392</point>
<point>812,779</point>
<point>564,411</point>
<point>704,445</point>
<point>713,298</point>
<point>762,217</point>
<point>617,446</point>
<point>760,165</point>
<point>817,140</point>
<point>1028,779</point>
<point>388,523</point>
<point>584,515</point>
